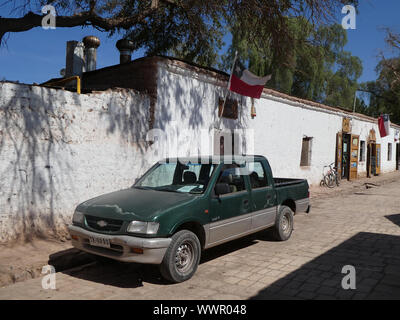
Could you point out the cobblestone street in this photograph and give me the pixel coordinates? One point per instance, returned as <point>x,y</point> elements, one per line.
<point>361,228</point>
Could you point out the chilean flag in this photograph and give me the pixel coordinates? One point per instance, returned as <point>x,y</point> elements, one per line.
<point>384,125</point>
<point>245,83</point>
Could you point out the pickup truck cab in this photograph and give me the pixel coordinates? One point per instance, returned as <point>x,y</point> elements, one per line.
<point>180,207</point>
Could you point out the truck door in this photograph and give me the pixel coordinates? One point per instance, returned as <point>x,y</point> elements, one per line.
<point>263,195</point>
<point>230,212</point>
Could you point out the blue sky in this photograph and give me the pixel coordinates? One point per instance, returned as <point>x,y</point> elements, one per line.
<point>38,55</point>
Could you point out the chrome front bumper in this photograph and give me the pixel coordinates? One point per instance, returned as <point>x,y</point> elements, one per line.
<point>121,246</point>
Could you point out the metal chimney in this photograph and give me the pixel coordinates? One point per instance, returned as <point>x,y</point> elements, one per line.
<point>75,59</point>
<point>125,48</point>
<point>91,45</point>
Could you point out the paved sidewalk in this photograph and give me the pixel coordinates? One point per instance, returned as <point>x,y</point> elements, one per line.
<point>355,226</point>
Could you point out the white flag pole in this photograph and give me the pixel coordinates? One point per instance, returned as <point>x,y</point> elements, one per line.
<point>227,92</point>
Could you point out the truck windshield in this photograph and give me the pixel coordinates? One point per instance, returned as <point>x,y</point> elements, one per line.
<point>177,177</point>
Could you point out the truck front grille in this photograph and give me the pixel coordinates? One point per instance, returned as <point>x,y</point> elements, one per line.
<point>103,224</point>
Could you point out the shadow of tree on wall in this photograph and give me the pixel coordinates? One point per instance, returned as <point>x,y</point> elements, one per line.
<point>376,258</point>
<point>32,129</point>
<point>38,135</point>
<point>193,105</point>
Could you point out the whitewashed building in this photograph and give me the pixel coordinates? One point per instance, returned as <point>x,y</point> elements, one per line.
<point>299,137</point>
<point>59,148</point>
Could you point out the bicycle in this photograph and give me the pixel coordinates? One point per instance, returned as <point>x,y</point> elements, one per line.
<point>331,177</point>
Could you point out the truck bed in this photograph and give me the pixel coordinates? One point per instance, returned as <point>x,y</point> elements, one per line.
<point>281,182</point>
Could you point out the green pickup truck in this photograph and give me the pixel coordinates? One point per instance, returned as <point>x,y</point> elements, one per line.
<point>180,207</point>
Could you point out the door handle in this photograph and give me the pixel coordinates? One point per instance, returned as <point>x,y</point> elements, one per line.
<point>246,203</point>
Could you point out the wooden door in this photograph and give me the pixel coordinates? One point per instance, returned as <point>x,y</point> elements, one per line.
<point>339,153</point>
<point>354,144</point>
<point>369,160</point>
<point>378,158</point>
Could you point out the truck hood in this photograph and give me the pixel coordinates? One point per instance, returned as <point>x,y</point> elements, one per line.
<point>133,204</point>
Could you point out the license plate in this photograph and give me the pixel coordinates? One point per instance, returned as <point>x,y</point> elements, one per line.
<point>99,242</point>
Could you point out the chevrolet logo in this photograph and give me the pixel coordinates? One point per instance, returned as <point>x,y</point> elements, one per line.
<point>102,223</point>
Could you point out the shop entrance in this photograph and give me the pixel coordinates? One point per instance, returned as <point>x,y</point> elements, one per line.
<point>397,157</point>
<point>373,159</point>
<point>347,155</point>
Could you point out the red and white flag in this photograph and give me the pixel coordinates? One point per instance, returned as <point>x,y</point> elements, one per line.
<point>384,125</point>
<point>244,82</point>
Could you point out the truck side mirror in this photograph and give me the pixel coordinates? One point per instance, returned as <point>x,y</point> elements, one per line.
<point>222,188</point>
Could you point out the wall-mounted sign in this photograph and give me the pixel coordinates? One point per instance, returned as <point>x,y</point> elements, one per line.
<point>372,136</point>
<point>230,108</point>
<point>346,127</point>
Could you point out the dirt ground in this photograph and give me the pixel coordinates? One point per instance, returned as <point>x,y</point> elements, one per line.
<point>347,187</point>
<point>23,261</point>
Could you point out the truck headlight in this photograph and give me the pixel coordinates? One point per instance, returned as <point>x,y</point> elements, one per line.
<point>78,217</point>
<point>143,227</point>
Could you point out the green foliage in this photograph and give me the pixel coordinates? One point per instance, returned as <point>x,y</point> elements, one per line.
<point>190,29</point>
<point>385,91</point>
<point>311,62</point>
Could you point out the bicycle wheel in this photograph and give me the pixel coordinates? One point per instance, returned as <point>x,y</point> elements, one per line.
<point>329,180</point>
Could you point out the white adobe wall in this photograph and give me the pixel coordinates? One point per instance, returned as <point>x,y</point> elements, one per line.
<point>363,128</point>
<point>188,100</point>
<point>284,123</point>
<point>58,148</point>
<point>186,109</point>
<point>283,127</point>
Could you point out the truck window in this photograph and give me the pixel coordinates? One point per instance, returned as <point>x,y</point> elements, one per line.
<point>230,174</point>
<point>177,177</point>
<point>258,178</point>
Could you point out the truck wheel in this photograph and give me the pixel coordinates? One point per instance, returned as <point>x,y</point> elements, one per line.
<point>182,257</point>
<point>284,224</point>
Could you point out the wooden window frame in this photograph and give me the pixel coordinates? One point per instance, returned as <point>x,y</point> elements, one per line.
<point>230,110</point>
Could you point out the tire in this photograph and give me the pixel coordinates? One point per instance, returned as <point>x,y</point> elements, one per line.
<point>284,224</point>
<point>182,257</point>
<point>330,180</point>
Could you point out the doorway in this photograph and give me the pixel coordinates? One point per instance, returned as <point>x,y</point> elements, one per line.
<point>374,159</point>
<point>227,143</point>
<point>347,146</point>
<point>397,157</point>
<point>369,160</point>
<point>346,156</point>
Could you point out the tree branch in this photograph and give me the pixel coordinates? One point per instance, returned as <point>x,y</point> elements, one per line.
<point>32,20</point>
